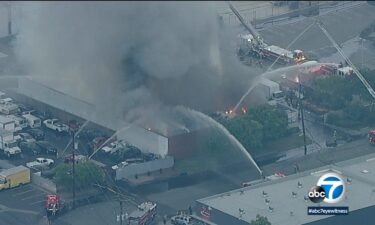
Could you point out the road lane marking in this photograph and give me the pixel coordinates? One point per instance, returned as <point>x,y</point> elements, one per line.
<point>23,192</point>
<point>37,202</point>
<point>41,189</point>
<point>33,196</point>
<point>17,189</point>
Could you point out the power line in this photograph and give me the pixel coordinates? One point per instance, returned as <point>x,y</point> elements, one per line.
<point>356,71</point>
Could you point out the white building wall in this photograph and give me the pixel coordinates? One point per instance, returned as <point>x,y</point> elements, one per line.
<point>145,140</point>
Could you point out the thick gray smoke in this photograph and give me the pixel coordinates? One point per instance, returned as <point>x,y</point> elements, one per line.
<point>132,56</point>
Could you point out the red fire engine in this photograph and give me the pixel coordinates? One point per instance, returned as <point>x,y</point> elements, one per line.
<point>52,205</point>
<point>144,215</point>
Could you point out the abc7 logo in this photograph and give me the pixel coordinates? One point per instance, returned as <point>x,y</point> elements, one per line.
<point>330,189</point>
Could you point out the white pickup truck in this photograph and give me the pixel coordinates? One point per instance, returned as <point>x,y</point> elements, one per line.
<point>40,163</point>
<point>113,147</point>
<point>56,125</point>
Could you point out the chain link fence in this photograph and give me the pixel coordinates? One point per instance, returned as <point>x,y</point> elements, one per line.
<point>270,12</point>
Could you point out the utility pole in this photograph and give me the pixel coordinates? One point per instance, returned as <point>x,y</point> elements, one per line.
<point>122,216</point>
<point>301,110</point>
<point>121,212</point>
<point>9,19</point>
<point>75,145</point>
<point>362,51</point>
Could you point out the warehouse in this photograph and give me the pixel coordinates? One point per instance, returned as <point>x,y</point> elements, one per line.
<point>163,138</point>
<point>285,202</point>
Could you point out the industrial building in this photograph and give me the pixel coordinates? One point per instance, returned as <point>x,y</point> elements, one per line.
<point>284,201</point>
<point>163,138</point>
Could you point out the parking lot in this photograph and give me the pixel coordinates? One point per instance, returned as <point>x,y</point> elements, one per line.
<point>58,140</point>
<point>22,205</point>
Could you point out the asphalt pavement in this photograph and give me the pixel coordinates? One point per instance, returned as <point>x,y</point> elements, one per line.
<point>22,205</point>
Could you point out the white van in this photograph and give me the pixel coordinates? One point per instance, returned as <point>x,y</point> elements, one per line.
<point>32,121</point>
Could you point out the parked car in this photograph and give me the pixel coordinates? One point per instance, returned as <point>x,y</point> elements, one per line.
<point>127,153</point>
<point>97,142</point>
<point>56,125</point>
<point>37,134</point>
<point>40,163</point>
<point>181,220</point>
<point>47,147</point>
<point>26,137</point>
<point>30,148</point>
<point>113,147</point>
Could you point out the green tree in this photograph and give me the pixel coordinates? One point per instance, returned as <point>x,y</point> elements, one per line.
<point>356,111</point>
<point>273,121</point>
<point>249,132</point>
<point>260,220</point>
<point>336,92</point>
<point>86,174</point>
<point>257,126</point>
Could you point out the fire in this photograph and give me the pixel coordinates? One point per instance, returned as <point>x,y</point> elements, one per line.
<point>230,112</point>
<point>244,110</point>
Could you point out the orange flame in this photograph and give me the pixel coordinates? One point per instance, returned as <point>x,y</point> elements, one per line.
<point>244,110</point>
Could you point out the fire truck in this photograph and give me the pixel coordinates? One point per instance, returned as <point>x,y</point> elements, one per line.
<point>371,137</point>
<point>251,44</point>
<point>329,69</point>
<point>145,214</point>
<point>52,205</point>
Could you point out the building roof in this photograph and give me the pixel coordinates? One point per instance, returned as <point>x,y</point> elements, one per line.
<point>269,83</point>
<point>5,132</point>
<point>13,170</point>
<point>30,116</point>
<point>5,119</point>
<point>360,193</point>
<point>280,51</point>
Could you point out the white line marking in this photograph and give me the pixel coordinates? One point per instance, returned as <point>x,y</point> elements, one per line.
<point>23,192</point>
<point>33,196</point>
<point>35,203</point>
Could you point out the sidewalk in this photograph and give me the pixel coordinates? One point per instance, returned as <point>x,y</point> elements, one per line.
<point>325,157</point>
